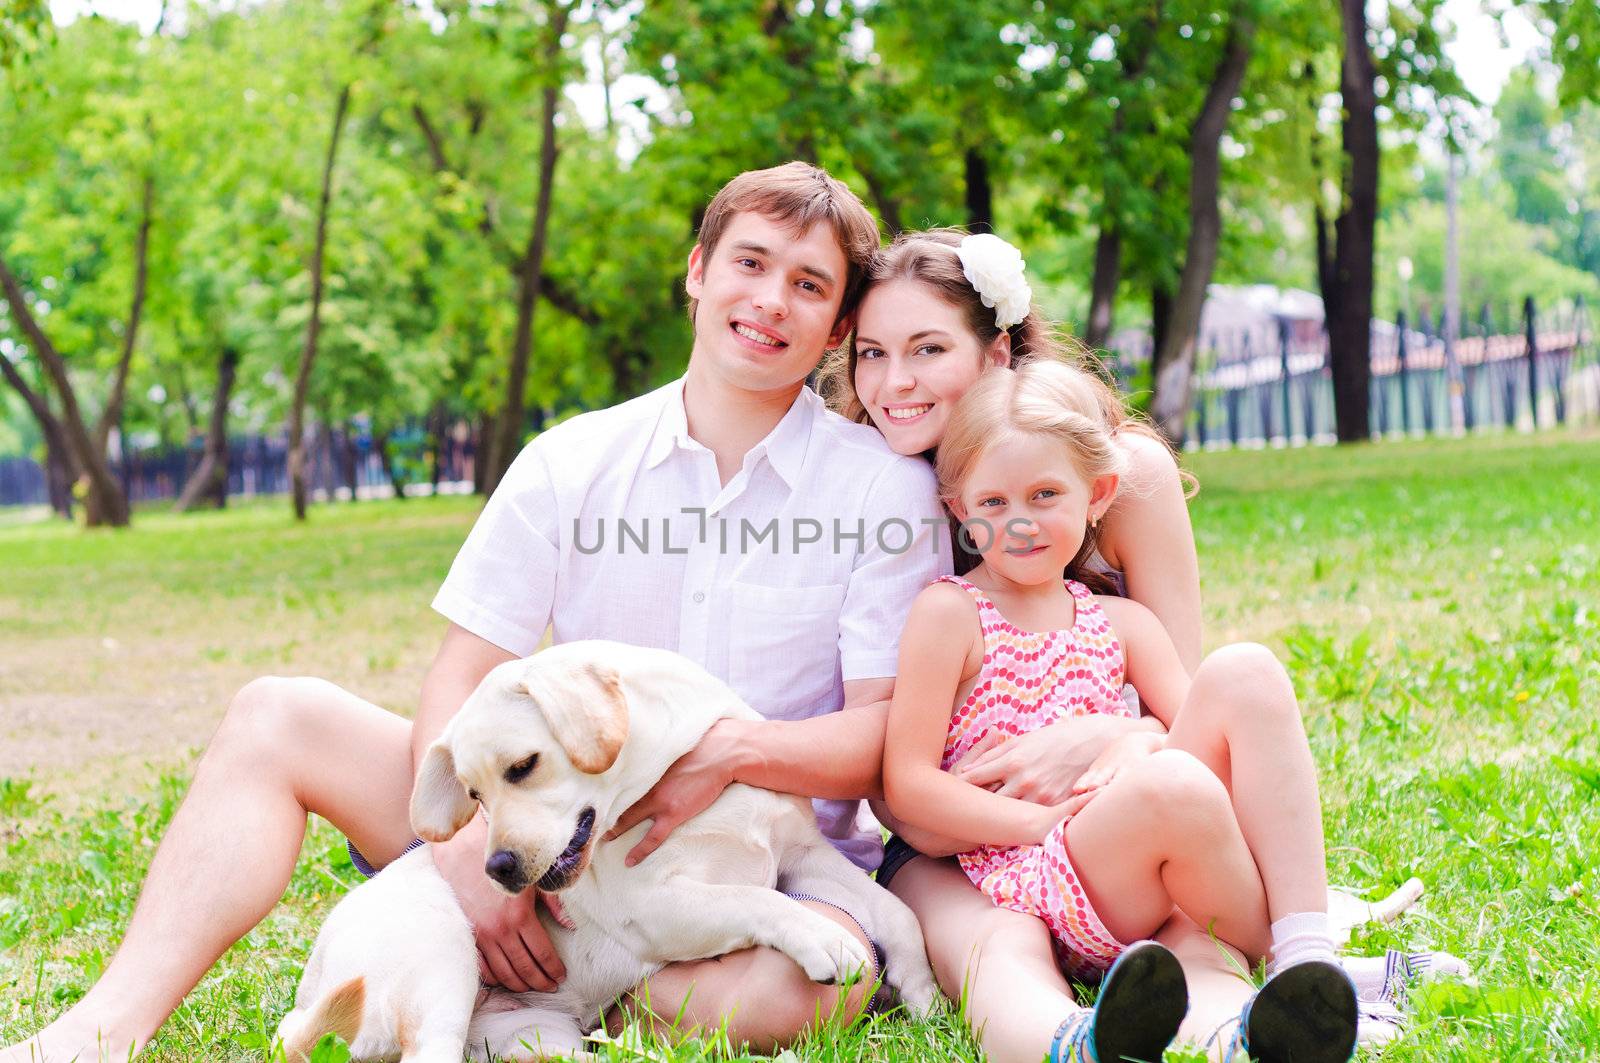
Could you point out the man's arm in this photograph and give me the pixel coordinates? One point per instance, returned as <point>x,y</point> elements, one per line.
<point>783,755</point>
<point>780,755</point>
<point>513,950</point>
<point>457,669</point>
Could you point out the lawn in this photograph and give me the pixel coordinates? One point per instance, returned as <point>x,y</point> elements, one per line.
<point>1438,604</point>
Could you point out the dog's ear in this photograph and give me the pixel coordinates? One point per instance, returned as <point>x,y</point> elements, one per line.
<point>586,711</point>
<point>440,805</point>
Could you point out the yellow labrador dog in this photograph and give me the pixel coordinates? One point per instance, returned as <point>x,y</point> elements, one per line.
<point>554,748</point>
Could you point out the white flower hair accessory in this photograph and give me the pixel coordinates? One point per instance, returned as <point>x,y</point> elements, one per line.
<point>995,270</point>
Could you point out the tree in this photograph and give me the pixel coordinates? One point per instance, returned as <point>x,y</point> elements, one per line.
<point>371,26</point>
<point>1344,261</point>
<point>52,231</point>
<point>530,273</point>
<point>1173,367</point>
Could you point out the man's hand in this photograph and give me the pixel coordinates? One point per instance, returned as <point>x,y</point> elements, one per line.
<point>513,949</point>
<point>1043,766</point>
<point>689,787</point>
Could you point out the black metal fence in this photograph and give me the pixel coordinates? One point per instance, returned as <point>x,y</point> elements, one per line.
<point>259,465</point>
<point>1258,386</point>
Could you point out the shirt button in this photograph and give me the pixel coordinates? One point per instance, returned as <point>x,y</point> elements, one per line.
<point>699,596</point>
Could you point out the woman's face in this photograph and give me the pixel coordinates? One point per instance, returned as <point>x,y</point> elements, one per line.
<point>915,356</point>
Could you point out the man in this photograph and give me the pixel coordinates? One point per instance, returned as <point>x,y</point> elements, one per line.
<point>727,516</point>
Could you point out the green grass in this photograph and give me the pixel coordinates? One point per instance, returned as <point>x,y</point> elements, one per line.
<point>1438,605</point>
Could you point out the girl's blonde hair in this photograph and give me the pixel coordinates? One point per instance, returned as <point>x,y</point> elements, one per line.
<point>1043,398</point>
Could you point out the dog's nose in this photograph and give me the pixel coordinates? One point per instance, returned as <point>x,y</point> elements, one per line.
<point>504,868</point>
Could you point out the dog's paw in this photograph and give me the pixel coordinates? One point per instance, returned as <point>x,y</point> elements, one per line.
<point>827,952</point>
<point>917,992</point>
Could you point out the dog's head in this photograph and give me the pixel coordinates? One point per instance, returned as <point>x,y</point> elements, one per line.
<point>529,746</point>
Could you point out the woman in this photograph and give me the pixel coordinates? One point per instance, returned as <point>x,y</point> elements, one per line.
<point>924,334</point>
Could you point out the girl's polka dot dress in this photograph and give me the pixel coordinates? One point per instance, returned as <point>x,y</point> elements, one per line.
<point>1030,680</point>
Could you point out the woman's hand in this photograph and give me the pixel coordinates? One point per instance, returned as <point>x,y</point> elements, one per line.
<point>1043,766</point>
<point>1118,755</point>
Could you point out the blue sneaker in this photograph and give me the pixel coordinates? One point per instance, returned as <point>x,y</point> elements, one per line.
<point>1306,1014</point>
<point>1142,1001</point>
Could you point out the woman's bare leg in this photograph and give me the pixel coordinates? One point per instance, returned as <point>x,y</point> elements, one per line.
<point>286,747</point>
<point>1242,721</point>
<point>1001,962</point>
<point>1215,971</point>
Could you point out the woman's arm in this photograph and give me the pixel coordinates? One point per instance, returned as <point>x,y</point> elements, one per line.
<point>1153,666</point>
<point>1148,538</point>
<point>933,648</point>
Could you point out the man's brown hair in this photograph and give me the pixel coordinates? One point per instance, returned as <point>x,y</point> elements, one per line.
<point>798,195</point>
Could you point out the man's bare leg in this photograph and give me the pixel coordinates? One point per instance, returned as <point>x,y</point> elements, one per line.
<point>764,997</point>
<point>286,747</point>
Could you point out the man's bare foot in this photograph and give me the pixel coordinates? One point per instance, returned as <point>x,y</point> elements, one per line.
<point>69,1040</point>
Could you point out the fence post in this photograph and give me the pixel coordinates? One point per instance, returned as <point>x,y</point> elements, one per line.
<point>1464,380</point>
<point>1403,372</point>
<point>1559,365</point>
<point>1283,359</point>
<point>1231,398</point>
<point>1529,326</point>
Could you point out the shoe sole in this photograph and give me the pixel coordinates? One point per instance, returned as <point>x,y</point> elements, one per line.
<point>1141,1005</point>
<point>1307,1014</point>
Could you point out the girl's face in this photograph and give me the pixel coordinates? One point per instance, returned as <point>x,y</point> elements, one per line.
<point>915,356</point>
<point>1025,507</point>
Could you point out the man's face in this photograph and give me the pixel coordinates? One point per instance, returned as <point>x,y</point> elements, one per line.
<point>769,302</point>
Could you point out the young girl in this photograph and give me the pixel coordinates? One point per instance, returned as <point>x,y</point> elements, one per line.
<point>1029,467</point>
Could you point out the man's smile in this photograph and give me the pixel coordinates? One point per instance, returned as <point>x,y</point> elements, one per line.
<point>759,336</point>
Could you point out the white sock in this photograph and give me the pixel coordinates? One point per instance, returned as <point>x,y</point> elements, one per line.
<point>1300,938</point>
<point>1369,973</point>
<point>1384,978</point>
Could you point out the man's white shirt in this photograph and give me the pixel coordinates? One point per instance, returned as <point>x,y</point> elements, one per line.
<point>793,578</point>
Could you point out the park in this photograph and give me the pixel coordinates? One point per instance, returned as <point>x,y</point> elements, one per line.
<point>289,285</point>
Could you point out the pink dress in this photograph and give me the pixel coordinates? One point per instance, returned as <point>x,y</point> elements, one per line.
<point>1029,680</point>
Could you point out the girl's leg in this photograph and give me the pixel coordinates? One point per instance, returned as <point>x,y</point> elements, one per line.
<point>1242,721</point>
<point>1163,835</point>
<point>1001,962</point>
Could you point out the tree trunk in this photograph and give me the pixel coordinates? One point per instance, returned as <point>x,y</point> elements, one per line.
<point>888,206</point>
<point>1160,315</point>
<point>480,454</point>
<point>59,471</point>
<point>1103,288</point>
<point>530,280</point>
<point>106,503</point>
<point>111,415</point>
<point>1347,282</point>
<point>380,443</point>
<point>1172,374</point>
<point>209,484</point>
<point>438,434</point>
<point>980,196</point>
<point>302,381</point>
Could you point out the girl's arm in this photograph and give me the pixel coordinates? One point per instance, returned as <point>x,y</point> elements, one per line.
<point>1148,538</point>
<point>1152,662</point>
<point>934,646</point>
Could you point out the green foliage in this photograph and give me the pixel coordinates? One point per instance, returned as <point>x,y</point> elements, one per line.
<point>1078,117</point>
